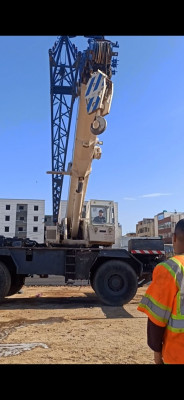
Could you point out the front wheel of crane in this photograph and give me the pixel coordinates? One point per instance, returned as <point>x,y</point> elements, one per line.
<point>17,282</point>
<point>115,283</point>
<point>5,281</point>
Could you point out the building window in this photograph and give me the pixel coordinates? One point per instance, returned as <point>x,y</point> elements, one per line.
<point>6,229</point>
<point>7,218</point>
<point>161,226</point>
<point>21,218</point>
<point>35,208</point>
<point>35,218</point>
<point>35,229</point>
<point>7,206</point>
<point>20,229</point>
<point>21,207</point>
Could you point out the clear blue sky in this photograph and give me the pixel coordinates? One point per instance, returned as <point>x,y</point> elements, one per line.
<point>142,163</point>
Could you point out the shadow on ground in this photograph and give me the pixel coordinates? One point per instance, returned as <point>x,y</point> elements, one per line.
<point>49,303</point>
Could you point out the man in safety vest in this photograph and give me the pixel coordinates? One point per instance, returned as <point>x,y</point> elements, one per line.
<point>163,303</point>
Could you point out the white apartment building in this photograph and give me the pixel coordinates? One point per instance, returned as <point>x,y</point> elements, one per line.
<point>22,218</point>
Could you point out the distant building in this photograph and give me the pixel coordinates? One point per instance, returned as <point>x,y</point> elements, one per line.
<point>22,218</point>
<point>118,228</point>
<point>145,227</point>
<point>165,223</point>
<point>49,220</point>
<point>118,236</point>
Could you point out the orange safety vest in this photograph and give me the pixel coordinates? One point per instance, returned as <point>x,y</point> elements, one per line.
<point>163,303</point>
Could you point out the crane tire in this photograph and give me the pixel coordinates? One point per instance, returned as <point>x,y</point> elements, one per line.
<point>5,280</point>
<point>115,282</point>
<point>17,282</point>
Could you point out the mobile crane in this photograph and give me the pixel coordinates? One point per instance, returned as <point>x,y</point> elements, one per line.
<point>94,90</point>
<point>83,249</point>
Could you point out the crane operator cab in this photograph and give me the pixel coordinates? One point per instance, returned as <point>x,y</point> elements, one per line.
<point>100,224</point>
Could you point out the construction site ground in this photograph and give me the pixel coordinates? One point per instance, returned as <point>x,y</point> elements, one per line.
<point>53,323</point>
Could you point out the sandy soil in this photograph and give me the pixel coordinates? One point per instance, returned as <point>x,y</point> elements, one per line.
<point>69,325</point>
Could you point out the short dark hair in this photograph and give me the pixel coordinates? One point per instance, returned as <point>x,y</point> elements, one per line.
<point>100,211</point>
<point>179,228</point>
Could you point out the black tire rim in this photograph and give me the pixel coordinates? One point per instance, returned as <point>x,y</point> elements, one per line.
<point>115,283</point>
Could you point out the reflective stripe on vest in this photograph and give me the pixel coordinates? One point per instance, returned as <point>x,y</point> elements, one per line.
<point>158,310</point>
<point>175,325</point>
<point>176,322</point>
<point>162,313</point>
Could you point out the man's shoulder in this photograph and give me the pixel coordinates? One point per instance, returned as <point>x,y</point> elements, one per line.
<point>166,261</point>
<point>165,266</point>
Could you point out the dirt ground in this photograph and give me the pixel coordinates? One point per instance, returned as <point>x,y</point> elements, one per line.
<point>69,325</point>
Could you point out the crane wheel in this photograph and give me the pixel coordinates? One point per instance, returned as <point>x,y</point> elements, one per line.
<point>115,282</point>
<point>5,281</point>
<point>98,126</point>
<point>17,282</point>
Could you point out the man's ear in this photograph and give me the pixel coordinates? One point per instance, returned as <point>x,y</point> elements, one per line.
<point>174,238</point>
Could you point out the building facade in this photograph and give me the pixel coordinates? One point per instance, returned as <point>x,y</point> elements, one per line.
<point>165,223</point>
<point>145,228</point>
<point>22,218</point>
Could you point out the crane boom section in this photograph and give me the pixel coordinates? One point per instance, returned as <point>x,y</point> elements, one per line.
<point>83,154</point>
<point>94,90</point>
